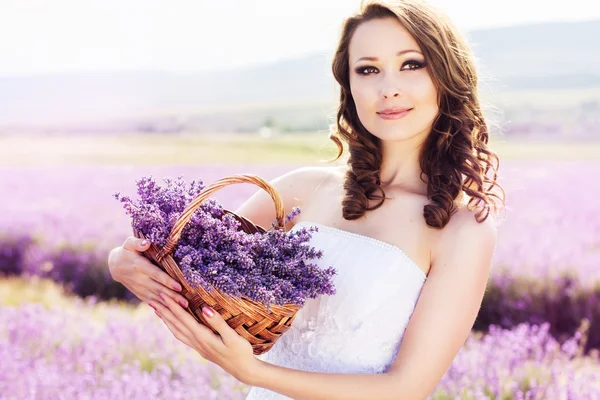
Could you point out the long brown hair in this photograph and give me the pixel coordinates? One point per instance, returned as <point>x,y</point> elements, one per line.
<point>455,156</point>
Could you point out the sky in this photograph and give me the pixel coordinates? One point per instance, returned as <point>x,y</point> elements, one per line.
<point>41,37</point>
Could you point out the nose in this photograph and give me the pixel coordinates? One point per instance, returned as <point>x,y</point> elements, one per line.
<point>391,93</point>
<point>389,89</point>
<point>389,85</point>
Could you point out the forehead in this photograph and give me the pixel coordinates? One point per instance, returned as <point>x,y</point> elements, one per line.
<point>381,38</point>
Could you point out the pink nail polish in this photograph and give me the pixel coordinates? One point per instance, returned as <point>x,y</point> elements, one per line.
<point>209,312</point>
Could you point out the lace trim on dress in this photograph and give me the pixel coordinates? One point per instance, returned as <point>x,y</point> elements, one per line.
<point>367,239</point>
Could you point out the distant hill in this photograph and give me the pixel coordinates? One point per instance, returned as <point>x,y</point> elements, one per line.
<point>542,60</point>
<point>541,56</point>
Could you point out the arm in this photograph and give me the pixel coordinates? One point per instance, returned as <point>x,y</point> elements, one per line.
<point>439,326</point>
<point>303,385</point>
<point>295,189</point>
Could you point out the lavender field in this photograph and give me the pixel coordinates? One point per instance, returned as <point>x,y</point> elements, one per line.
<point>64,347</point>
<point>537,335</point>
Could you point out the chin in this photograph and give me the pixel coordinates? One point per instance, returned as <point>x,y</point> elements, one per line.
<point>390,134</point>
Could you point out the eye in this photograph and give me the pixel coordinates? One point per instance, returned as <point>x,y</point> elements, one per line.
<point>364,70</point>
<point>415,64</point>
<point>369,70</point>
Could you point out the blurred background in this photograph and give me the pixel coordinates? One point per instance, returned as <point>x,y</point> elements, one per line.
<point>94,95</point>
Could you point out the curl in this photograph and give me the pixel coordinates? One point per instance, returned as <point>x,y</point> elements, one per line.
<point>455,159</point>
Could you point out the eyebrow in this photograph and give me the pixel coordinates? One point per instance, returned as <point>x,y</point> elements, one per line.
<point>397,54</point>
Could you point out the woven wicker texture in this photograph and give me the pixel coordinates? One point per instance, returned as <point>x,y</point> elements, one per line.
<point>248,318</point>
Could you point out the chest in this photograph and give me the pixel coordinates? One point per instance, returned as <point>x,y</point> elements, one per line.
<point>399,221</point>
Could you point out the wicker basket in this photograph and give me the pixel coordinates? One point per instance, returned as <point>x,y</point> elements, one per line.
<point>248,318</point>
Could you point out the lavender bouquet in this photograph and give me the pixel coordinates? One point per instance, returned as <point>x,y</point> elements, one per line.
<point>213,252</point>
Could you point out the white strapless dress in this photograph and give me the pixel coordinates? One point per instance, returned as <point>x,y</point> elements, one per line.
<point>360,328</point>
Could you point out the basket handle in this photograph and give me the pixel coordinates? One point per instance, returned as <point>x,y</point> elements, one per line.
<point>186,215</point>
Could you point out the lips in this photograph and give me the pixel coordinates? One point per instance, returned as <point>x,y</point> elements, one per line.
<point>388,111</point>
<point>393,113</point>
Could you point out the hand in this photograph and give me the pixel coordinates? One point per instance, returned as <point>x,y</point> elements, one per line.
<point>128,266</point>
<point>228,349</point>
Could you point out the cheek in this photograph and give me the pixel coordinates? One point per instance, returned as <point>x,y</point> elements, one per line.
<point>423,91</point>
<point>362,96</point>
<point>364,99</point>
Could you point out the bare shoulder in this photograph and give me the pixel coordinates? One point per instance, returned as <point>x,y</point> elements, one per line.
<point>295,188</point>
<point>464,236</point>
<point>311,174</point>
<point>302,182</point>
<point>450,300</point>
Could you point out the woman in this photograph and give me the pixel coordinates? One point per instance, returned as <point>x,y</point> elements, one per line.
<point>406,222</point>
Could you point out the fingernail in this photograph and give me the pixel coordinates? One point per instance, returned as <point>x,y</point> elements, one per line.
<point>209,312</point>
<point>152,305</point>
<point>145,242</point>
<point>177,287</point>
<point>182,303</point>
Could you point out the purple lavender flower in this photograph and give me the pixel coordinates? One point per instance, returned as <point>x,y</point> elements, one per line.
<point>213,252</point>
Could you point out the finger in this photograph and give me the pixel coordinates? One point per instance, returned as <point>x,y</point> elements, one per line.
<point>133,243</point>
<point>142,292</point>
<point>227,333</point>
<point>203,333</point>
<point>156,289</point>
<point>144,266</point>
<point>175,330</point>
<point>166,315</point>
<point>147,290</point>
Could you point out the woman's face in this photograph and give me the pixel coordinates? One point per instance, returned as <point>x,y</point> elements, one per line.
<point>393,78</point>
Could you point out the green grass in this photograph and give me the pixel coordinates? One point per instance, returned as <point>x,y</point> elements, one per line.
<point>299,148</point>
<point>16,291</point>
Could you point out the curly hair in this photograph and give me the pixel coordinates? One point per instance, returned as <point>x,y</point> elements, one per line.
<point>455,156</point>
